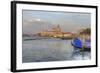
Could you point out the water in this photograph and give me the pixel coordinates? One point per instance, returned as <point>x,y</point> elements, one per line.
<point>43,50</point>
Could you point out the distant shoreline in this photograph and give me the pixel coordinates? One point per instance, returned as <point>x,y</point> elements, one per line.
<point>40,38</point>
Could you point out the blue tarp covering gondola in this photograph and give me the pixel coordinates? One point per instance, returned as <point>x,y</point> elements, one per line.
<point>88,43</point>
<point>77,43</point>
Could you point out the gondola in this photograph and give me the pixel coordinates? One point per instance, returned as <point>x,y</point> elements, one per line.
<point>77,43</point>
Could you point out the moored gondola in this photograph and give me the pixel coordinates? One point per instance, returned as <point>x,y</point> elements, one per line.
<point>79,44</point>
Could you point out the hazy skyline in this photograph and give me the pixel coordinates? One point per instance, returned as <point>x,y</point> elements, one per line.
<point>68,21</point>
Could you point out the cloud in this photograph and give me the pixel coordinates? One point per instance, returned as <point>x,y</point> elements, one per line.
<point>36,20</point>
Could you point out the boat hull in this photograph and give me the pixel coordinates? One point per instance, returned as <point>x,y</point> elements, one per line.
<point>76,43</point>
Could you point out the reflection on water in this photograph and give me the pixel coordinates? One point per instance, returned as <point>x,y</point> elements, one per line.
<point>44,50</point>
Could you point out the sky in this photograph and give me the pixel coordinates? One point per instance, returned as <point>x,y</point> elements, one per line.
<point>35,21</point>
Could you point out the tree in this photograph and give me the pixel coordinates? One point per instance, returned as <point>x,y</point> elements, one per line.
<point>86,31</point>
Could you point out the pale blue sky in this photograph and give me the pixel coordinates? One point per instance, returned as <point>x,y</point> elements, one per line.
<point>69,21</point>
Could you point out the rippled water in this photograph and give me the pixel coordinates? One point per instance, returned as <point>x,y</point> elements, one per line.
<point>44,50</point>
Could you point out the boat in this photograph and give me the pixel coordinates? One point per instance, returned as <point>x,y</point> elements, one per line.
<point>77,43</point>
